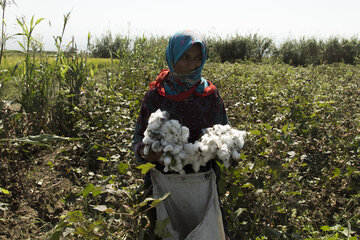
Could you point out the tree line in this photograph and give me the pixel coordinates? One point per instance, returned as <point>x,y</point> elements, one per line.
<point>253,47</point>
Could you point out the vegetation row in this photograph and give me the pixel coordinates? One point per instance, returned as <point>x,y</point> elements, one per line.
<point>253,47</point>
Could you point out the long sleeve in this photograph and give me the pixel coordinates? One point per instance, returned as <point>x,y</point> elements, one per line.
<point>147,107</point>
<point>220,116</point>
<point>196,113</point>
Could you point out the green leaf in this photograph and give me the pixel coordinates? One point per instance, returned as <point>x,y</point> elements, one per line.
<point>96,191</point>
<point>102,159</point>
<point>123,167</point>
<point>336,173</point>
<point>255,132</point>
<point>75,216</point>
<point>239,211</point>
<point>247,185</point>
<point>272,232</point>
<point>267,126</point>
<point>158,201</point>
<point>90,187</point>
<point>38,21</point>
<point>326,228</point>
<point>110,210</point>
<point>160,228</point>
<point>4,191</point>
<point>337,227</point>
<point>81,231</point>
<point>155,201</point>
<point>285,128</point>
<point>293,193</point>
<point>56,235</point>
<point>32,21</point>
<point>101,208</point>
<point>145,167</point>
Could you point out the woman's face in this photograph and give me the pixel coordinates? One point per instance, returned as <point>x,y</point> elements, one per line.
<point>190,60</point>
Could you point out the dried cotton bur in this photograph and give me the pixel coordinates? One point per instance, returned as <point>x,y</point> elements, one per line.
<point>168,136</point>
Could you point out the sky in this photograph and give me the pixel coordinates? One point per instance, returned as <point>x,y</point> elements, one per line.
<point>277,19</point>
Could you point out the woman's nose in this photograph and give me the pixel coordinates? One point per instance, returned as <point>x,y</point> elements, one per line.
<point>194,64</point>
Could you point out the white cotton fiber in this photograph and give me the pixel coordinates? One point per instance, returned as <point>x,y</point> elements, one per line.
<point>169,136</point>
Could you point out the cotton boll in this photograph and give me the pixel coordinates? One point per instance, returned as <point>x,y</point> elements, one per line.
<point>192,153</point>
<point>182,155</point>
<point>168,148</point>
<point>169,137</point>
<point>213,140</point>
<point>166,126</point>
<point>175,124</point>
<point>178,166</point>
<point>239,143</point>
<point>213,148</point>
<point>226,128</point>
<point>196,146</point>
<point>184,134</point>
<point>164,142</point>
<point>235,154</point>
<point>147,140</point>
<point>226,138</point>
<point>227,164</point>
<point>203,163</point>
<point>158,115</point>
<point>172,138</point>
<point>196,166</point>
<point>146,150</point>
<point>239,139</point>
<point>155,125</point>
<point>167,160</point>
<point>176,137</point>
<point>176,150</point>
<point>223,154</point>
<point>189,148</point>
<point>207,157</point>
<point>224,146</point>
<point>218,130</point>
<point>204,148</point>
<point>156,146</point>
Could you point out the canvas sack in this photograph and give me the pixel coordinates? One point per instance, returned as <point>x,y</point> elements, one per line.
<point>192,206</point>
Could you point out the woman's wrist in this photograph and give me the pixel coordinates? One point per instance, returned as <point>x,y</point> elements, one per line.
<point>139,149</point>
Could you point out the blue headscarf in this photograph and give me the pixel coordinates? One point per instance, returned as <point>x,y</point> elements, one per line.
<point>178,45</point>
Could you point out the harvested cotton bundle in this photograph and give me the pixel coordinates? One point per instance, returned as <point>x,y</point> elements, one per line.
<point>169,137</point>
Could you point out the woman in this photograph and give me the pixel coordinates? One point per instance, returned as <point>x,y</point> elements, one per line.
<point>185,95</point>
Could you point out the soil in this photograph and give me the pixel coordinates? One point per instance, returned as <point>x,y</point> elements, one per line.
<point>34,204</point>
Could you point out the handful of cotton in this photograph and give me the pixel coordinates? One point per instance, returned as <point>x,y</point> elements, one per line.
<point>221,141</point>
<point>167,136</point>
<point>170,137</point>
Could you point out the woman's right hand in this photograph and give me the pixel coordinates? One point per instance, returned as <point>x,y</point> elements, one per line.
<point>152,157</point>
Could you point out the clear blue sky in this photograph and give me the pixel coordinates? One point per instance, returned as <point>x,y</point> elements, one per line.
<point>278,19</point>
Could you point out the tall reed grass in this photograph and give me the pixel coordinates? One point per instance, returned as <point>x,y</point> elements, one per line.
<point>48,86</point>
<point>253,47</point>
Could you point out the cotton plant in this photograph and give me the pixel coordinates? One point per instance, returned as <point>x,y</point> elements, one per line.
<point>171,138</point>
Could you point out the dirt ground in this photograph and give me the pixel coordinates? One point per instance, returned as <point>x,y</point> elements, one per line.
<point>34,204</point>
